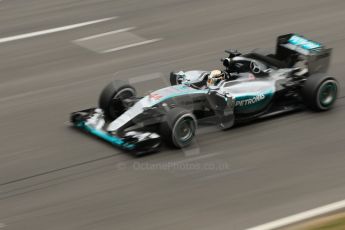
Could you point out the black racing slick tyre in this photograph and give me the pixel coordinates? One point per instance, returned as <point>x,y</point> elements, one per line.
<point>175,79</point>
<point>320,92</point>
<point>179,128</point>
<point>112,97</point>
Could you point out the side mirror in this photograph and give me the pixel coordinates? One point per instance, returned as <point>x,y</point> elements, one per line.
<point>268,70</point>
<point>295,70</point>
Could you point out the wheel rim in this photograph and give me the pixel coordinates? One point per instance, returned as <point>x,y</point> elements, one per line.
<point>327,93</point>
<point>123,94</point>
<point>184,131</point>
<point>117,105</point>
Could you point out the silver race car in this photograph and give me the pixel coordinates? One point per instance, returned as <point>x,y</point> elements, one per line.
<point>251,86</point>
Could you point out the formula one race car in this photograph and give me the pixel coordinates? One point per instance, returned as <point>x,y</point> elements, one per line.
<point>251,86</point>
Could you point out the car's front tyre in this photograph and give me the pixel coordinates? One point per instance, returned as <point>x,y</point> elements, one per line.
<point>179,127</point>
<point>112,97</point>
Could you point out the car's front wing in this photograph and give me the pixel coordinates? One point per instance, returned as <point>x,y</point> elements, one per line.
<point>92,121</point>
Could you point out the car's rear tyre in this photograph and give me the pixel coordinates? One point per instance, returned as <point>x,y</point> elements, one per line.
<point>112,97</point>
<point>320,92</point>
<point>179,128</point>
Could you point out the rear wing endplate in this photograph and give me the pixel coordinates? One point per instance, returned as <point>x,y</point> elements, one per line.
<point>316,54</point>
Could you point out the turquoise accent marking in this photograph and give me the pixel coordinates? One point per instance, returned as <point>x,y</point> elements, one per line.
<point>268,92</point>
<point>185,90</point>
<point>105,136</point>
<point>304,43</point>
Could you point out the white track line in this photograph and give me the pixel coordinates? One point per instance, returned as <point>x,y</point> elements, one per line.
<point>105,34</point>
<point>301,216</point>
<point>132,45</point>
<point>53,30</point>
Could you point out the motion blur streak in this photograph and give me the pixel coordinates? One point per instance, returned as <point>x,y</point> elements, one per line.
<point>65,180</point>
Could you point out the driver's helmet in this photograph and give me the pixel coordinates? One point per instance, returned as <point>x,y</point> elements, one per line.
<point>215,77</point>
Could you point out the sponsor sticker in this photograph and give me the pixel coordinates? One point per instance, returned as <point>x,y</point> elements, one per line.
<point>250,101</point>
<point>155,96</point>
<point>303,42</point>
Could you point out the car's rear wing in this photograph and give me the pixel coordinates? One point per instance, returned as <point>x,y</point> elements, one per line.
<point>316,54</point>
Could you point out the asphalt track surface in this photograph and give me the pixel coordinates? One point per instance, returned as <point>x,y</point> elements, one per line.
<point>53,177</point>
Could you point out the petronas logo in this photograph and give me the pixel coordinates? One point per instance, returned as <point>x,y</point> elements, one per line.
<point>250,101</point>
